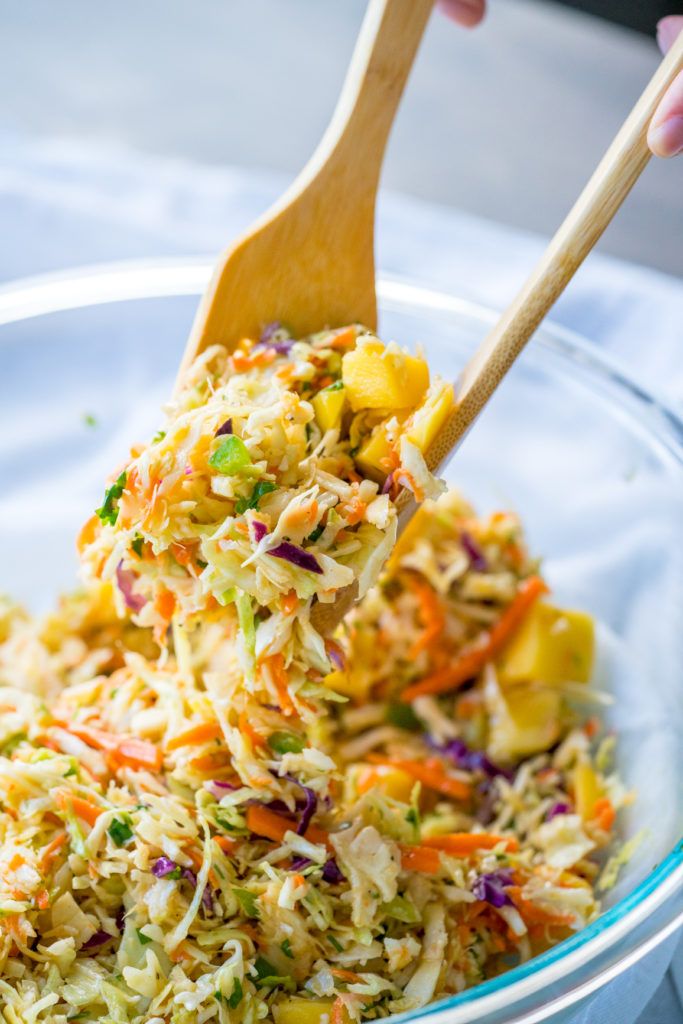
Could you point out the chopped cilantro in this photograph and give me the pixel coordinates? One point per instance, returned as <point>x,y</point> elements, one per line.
<point>70,771</point>
<point>144,939</point>
<point>413,817</point>
<point>236,994</point>
<point>262,488</point>
<point>120,832</point>
<point>176,874</point>
<point>264,968</point>
<point>403,716</point>
<point>137,543</point>
<point>12,742</point>
<point>337,386</point>
<point>109,512</point>
<point>337,945</point>
<point>89,419</point>
<point>159,436</point>
<point>286,948</point>
<point>316,533</point>
<point>248,901</point>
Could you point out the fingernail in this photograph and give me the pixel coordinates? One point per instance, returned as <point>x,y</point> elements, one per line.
<point>666,139</point>
<point>667,32</point>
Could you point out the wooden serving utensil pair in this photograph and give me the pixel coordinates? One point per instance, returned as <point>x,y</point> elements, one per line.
<point>309,261</point>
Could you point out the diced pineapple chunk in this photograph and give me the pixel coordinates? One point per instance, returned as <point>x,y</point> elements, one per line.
<point>428,419</point>
<point>328,406</point>
<point>377,379</point>
<point>586,790</point>
<point>553,645</point>
<point>387,780</point>
<point>297,1010</point>
<point>529,723</point>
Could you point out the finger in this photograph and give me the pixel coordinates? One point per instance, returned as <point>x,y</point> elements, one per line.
<point>466,12</point>
<point>665,134</point>
<point>667,31</point>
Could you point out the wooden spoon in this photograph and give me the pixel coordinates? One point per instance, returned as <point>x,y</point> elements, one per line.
<point>611,182</point>
<point>309,261</point>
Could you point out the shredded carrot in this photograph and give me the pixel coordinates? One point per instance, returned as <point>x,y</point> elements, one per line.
<point>51,850</point>
<point>289,603</point>
<point>420,858</point>
<point>338,1013</point>
<point>247,729</point>
<point>225,843</point>
<point>532,913</point>
<point>196,735</point>
<point>431,615</point>
<point>273,826</point>
<point>276,663</point>
<point>342,339</point>
<point>350,976</point>
<point>604,813</point>
<point>471,662</point>
<point>88,533</point>
<point>42,899</point>
<point>138,754</point>
<point>354,511</point>
<point>463,844</point>
<point>431,773</point>
<point>17,861</point>
<point>84,809</point>
<point>216,761</point>
<point>164,604</point>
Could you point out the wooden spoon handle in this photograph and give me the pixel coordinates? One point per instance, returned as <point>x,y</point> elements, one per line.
<point>384,54</point>
<point>613,179</point>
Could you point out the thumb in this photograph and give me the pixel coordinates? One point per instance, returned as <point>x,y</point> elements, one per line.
<point>665,134</point>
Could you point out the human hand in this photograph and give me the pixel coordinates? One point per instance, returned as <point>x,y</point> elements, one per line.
<point>665,134</point>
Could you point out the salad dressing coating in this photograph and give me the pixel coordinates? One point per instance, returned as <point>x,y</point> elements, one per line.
<point>208,811</point>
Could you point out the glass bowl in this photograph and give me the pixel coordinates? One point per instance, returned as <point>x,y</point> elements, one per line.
<point>592,462</point>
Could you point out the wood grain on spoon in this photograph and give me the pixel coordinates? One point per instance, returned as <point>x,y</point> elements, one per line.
<point>611,182</point>
<point>309,261</point>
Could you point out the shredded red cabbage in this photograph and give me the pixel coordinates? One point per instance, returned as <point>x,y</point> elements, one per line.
<point>98,939</point>
<point>297,556</point>
<point>331,872</point>
<point>310,804</point>
<point>163,866</point>
<point>469,760</point>
<point>388,484</point>
<point>126,579</point>
<point>335,654</point>
<point>473,552</point>
<point>225,428</point>
<point>299,863</point>
<point>260,529</point>
<point>219,789</point>
<point>269,330</point>
<point>491,888</point>
<point>560,807</point>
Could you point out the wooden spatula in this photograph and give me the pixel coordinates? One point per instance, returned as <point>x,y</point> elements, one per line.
<point>611,182</point>
<point>309,261</point>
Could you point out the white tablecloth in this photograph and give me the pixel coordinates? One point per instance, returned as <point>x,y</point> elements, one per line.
<point>64,204</point>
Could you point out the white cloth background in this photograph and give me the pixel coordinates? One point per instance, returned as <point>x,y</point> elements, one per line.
<point>64,205</point>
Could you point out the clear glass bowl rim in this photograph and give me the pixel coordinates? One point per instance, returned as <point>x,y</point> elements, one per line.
<point>102,284</point>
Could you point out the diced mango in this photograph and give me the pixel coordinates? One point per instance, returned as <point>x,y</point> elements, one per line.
<point>328,406</point>
<point>387,780</point>
<point>375,379</point>
<point>428,419</point>
<point>348,683</point>
<point>372,452</point>
<point>530,724</point>
<point>586,790</point>
<point>297,1010</point>
<point>553,645</point>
